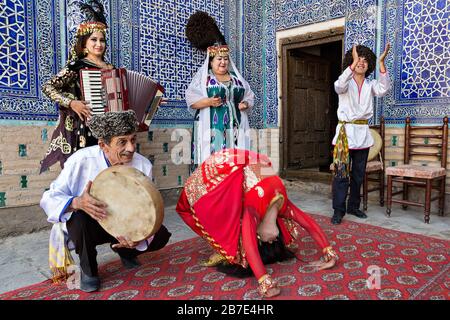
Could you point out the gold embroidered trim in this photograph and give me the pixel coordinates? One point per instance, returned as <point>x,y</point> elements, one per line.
<point>276,200</point>
<point>82,142</point>
<point>54,87</point>
<point>206,177</point>
<point>195,188</point>
<point>91,27</point>
<point>208,238</point>
<point>293,229</point>
<point>329,254</point>
<point>221,50</point>
<point>59,143</point>
<point>68,124</point>
<point>251,179</point>
<point>266,282</point>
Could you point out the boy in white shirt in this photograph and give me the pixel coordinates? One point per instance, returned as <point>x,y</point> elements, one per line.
<point>353,139</point>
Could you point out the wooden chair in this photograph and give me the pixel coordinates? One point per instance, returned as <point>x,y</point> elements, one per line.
<point>374,170</point>
<point>434,141</point>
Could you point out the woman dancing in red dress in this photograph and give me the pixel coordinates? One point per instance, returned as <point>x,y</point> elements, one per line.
<point>238,204</point>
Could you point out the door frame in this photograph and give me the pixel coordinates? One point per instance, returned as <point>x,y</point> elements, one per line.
<point>287,44</point>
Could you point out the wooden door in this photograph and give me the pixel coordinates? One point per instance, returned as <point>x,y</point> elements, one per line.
<point>308,107</point>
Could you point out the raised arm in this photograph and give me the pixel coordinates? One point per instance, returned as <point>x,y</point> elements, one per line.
<point>383,85</point>
<point>341,84</point>
<point>382,57</point>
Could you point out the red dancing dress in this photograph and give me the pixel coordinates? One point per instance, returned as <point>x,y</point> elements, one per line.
<point>226,198</point>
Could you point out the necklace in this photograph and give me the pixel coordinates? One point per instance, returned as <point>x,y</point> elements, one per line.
<point>102,64</point>
<point>224,78</point>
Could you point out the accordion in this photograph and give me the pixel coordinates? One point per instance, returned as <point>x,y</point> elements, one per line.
<point>121,89</point>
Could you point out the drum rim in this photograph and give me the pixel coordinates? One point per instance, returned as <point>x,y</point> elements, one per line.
<point>136,176</point>
<point>377,144</point>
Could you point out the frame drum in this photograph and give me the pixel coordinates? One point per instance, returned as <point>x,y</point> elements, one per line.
<point>377,144</point>
<point>135,207</point>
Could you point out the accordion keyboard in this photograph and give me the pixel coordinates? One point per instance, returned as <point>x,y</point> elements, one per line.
<point>93,90</point>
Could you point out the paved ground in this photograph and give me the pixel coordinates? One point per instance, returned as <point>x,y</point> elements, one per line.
<point>23,259</point>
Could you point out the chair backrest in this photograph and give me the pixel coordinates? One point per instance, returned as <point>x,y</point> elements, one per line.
<point>381,130</point>
<point>426,142</point>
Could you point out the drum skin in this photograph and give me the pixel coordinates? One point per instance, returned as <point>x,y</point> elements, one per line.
<point>135,207</point>
<point>377,144</point>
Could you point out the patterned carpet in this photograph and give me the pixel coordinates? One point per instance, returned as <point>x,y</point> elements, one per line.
<point>411,267</point>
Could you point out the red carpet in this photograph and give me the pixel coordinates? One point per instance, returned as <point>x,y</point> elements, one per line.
<point>412,267</point>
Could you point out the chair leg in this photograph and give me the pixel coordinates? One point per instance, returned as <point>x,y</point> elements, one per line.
<point>381,189</point>
<point>405,194</point>
<point>365,190</point>
<point>427,201</point>
<point>442,197</point>
<point>389,196</point>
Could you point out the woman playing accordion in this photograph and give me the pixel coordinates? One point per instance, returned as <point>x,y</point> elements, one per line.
<point>64,88</point>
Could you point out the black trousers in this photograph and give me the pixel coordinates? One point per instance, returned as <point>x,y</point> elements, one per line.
<point>86,233</point>
<point>358,162</point>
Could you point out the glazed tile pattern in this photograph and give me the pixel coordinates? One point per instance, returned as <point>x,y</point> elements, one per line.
<point>419,35</point>
<point>148,36</point>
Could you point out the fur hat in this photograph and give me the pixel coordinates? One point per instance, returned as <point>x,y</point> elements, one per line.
<point>112,124</point>
<point>204,34</point>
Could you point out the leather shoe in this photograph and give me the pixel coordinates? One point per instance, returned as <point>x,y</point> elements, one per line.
<point>336,219</point>
<point>358,213</point>
<point>130,263</point>
<point>89,283</point>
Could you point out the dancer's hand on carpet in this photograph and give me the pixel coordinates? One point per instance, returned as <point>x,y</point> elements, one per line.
<point>268,287</point>
<point>124,242</point>
<point>272,292</point>
<point>321,265</point>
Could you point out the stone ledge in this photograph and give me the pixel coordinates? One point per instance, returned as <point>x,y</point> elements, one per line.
<point>15,221</point>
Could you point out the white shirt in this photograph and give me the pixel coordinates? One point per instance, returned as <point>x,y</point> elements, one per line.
<point>80,168</point>
<point>356,103</point>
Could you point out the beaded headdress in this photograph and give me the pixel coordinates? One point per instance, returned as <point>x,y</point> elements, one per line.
<point>91,27</point>
<point>218,50</point>
<point>94,21</point>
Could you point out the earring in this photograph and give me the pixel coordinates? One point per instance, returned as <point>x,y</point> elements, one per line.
<point>85,51</point>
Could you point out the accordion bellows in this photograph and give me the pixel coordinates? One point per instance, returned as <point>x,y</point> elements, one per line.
<point>121,89</point>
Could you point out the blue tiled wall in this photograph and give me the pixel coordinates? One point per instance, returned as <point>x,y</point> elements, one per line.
<point>148,36</point>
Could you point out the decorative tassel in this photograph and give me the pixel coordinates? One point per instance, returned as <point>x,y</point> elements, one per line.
<point>59,256</point>
<point>341,155</point>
